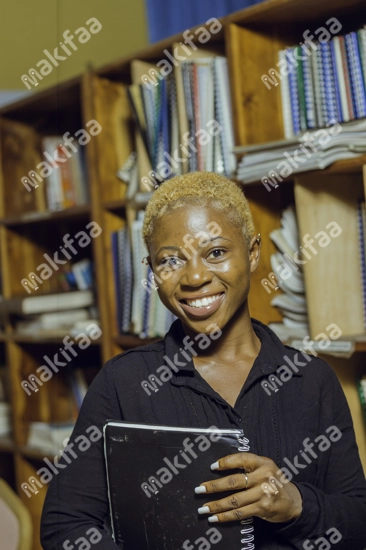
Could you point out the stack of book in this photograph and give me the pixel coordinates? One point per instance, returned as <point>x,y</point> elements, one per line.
<point>51,314</point>
<point>325,83</point>
<point>184,120</point>
<point>139,309</point>
<point>49,437</point>
<point>315,150</point>
<point>66,185</point>
<point>292,302</point>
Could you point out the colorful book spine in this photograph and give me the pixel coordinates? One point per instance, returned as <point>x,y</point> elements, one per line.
<point>329,86</point>
<point>294,98</point>
<point>356,76</point>
<point>301,89</point>
<point>308,90</point>
<point>347,79</point>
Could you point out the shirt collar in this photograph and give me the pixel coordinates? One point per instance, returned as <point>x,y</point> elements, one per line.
<point>270,357</point>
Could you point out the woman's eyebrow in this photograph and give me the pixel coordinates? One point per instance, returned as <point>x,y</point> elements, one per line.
<point>169,247</point>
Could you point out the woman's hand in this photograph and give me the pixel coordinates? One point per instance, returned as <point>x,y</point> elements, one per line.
<point>260,493</point>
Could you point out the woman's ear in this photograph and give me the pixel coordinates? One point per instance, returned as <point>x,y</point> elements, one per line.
<point>255,252</point>
<point>148,258</point>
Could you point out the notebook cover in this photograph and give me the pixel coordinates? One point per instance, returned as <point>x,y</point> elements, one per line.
<point>151,481</point>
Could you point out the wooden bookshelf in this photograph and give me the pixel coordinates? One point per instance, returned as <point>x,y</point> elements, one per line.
<point>250,39</point>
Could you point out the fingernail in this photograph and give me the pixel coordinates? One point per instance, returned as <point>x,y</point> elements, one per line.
<point>200,489</point>
<point>215,466</point>
<point>204,510</point>
<point>213,519</point>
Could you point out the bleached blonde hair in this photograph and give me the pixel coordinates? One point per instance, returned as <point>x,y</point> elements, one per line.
<point>199,188</point>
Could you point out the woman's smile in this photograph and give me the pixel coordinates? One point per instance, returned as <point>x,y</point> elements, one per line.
<point>204,305</point>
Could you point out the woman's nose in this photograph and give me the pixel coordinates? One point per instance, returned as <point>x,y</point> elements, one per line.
<point>195,273</point>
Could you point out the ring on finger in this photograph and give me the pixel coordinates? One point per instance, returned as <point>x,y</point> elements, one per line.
<point>246,480</point>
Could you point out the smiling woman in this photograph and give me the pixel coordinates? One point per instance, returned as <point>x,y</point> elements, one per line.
<point>201,244</point>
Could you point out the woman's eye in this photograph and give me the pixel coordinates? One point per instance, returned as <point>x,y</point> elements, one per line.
<point>171,262</point>
<point>217,253</point>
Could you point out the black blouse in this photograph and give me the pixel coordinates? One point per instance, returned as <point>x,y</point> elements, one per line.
<point>297,408</point>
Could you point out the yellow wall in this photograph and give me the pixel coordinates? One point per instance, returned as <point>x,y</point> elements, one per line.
<point>27,27</point>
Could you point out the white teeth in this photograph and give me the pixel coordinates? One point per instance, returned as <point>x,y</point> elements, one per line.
<point>203,302</point>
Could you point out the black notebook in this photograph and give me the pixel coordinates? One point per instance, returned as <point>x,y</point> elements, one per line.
<point>152,472</point>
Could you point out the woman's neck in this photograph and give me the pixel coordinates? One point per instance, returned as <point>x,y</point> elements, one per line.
<point>238,340</point>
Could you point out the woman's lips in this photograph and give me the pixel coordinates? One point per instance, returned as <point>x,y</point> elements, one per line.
<point>204,310</point>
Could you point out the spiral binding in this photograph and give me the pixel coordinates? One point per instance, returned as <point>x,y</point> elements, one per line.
<point>248,531</point>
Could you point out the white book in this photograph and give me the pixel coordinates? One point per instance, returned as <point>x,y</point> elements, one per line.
<point>48,302</point>
<point>49,437</point>
<point>286,101</point>
<point>54,190</point>
<point>341,79</point>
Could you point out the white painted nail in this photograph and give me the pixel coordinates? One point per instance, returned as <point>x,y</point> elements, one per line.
<point>213,519</point>
<point>215,466</point>
<point>200,489</point>
<point>204,510</point>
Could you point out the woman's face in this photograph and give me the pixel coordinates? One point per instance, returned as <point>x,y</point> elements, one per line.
<point>202,265</point>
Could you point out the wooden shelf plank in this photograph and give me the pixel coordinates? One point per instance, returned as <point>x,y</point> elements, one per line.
<point>47,216</point>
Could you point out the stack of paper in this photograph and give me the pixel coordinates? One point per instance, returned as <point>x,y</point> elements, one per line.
<point>290,277</point>
<point>272,162</point>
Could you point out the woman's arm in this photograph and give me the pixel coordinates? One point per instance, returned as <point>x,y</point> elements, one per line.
<point>77,501</point>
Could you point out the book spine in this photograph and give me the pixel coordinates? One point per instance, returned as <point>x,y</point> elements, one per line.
<point>335,82</point>
<point>361,35</point>
<point>341,79</point>
<point>294,97</point>
<point>308,90</point>
<point>301,90</point>
<point>357,84</point>
<point>347,79</point>
<point>329,88</point>
<point>247,529</point>
<point>285,99</point>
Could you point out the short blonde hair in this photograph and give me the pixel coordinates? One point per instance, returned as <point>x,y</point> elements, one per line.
<point>199,188</point>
